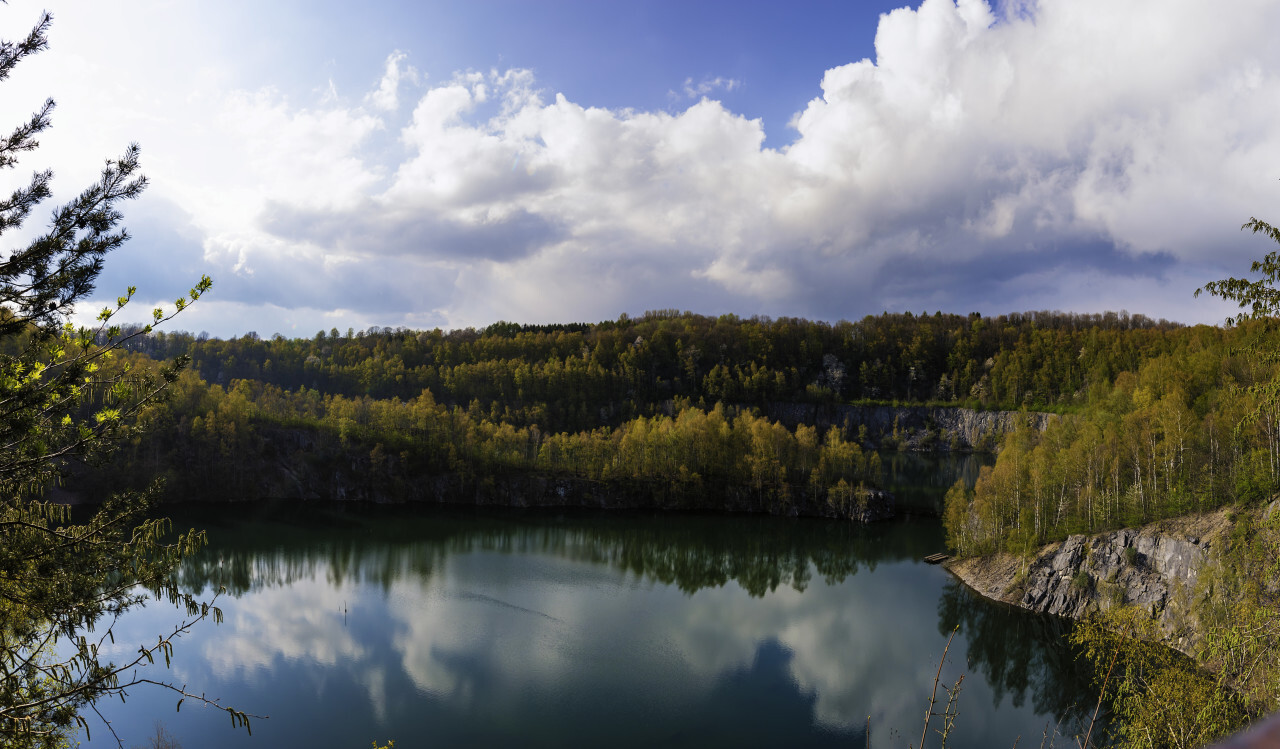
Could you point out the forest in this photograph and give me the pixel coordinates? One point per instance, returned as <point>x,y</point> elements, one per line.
<point>1154,419</point>
<point>1189,429</point>
<point>561,376</point>
<point>671,400</point>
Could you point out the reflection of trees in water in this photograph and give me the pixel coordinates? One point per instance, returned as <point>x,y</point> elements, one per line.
<point>919,481</point>
<point>691,552</point>
<point>1019,654</point>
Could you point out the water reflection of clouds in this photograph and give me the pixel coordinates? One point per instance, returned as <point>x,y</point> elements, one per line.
<point>503,633</point>
<point>868,646</point>
<point>846,654</point>
<point>300,621</point>
<point>509,622</point>
<point>495,636</point>
<point>852,647</point>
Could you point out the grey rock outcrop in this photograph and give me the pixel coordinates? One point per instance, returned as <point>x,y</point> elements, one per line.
<point>916,427</point>
<point>1120,568</point>
<point>1147,568</point>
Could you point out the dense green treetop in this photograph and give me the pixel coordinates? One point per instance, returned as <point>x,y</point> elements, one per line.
<point>560,377</point>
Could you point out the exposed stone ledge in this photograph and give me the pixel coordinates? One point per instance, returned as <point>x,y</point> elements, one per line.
<point>917,427</point>
<point>1155,567</point>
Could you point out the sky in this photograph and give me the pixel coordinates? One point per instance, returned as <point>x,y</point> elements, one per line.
<point>451,164</point>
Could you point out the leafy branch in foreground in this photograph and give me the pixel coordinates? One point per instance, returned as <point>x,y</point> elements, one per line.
<point>1158,697</point>
<point>63,400</point>
<point>1260,298</point>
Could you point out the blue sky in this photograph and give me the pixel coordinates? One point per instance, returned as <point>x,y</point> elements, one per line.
<point>454,163</point>
<point>606,54</point>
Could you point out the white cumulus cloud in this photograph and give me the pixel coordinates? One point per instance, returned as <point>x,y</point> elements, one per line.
<point>387,96</point>
<point>982,154</point>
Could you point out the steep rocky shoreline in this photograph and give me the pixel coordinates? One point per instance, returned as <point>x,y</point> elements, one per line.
<point>1155,567</point>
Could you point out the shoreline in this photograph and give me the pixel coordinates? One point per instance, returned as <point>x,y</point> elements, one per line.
<point>1156,566</point>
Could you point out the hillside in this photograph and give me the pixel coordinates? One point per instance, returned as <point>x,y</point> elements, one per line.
<point>786,408</point>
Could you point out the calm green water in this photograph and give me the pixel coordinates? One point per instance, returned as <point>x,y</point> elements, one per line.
<point>919,481</point>
<point>462,628</point>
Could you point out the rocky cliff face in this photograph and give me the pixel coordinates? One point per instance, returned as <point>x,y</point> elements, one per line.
<point>1126,567</point>
<point>913,427</point>
<point>1155,567</point>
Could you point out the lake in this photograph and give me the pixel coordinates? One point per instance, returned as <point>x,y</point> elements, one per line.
<point>460,627</point>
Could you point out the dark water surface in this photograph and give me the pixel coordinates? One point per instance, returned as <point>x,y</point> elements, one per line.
<point>450,627</point>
